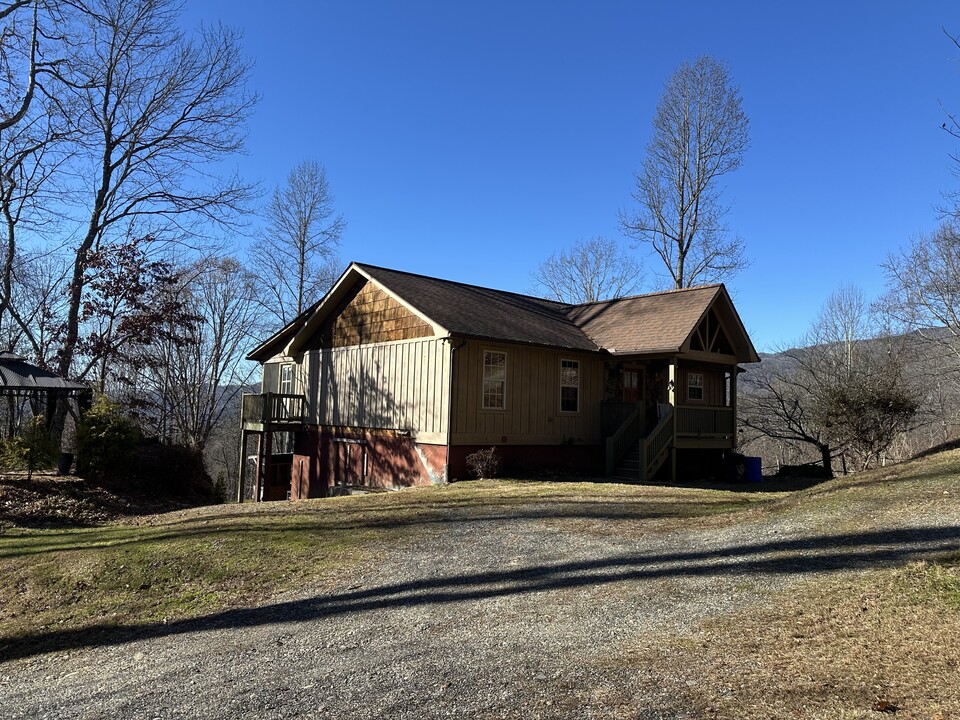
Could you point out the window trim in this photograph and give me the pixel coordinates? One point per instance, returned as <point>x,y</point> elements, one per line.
<point>699,385</point>
<point>566,385</point>
<point>483,380</point>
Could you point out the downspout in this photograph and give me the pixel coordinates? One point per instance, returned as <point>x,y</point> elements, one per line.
<point>453,350</point>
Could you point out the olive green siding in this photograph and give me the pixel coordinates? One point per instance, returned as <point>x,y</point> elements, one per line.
<point>532,412</point>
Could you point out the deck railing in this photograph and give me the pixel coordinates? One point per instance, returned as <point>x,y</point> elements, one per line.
<point>693,421</point>
<point>614,415</point>
<point>656,447</point>
<point>273,409</point>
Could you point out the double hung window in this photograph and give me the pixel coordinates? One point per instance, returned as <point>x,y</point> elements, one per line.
<point>494,387</point>
<point>570,386</point>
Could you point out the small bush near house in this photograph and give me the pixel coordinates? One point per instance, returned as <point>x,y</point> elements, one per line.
<point>106,441</point>
<point>32,450</point>
<point>484,464</point>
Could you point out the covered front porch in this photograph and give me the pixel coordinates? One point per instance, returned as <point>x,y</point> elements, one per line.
<point>666,406</point>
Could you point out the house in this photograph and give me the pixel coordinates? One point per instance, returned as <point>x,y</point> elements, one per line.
<point>393,379</point>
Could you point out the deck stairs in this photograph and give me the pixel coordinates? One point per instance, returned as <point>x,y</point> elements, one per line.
<point>628,469</point>
<point>632,457</point>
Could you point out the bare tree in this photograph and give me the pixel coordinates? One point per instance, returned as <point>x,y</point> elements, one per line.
<point>32,128</point>
<point>595,269</point>
<point>19,64</point>
<point>846,391</point>
<point>700,133</point>
<point>158,110</point>
<point>923,283</point>
<point>199,379</point>
<point>296,258</point>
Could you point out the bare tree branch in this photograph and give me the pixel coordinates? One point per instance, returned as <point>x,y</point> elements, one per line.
<point>591,270</point>
<point>700,133</point>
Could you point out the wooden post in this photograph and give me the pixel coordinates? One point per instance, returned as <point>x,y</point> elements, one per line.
<point>733,403</point>
<point>672,383</point>
<point>243,465</point>
<point>267,467</point>
<point>672,398</point>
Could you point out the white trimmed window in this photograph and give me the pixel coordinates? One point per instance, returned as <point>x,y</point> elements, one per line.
<point>695,386</point>
<point>494,388</point>
<point>286,379</point>
<point>570,386</point>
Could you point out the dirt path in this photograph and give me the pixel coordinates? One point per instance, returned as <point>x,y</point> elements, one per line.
<point>514,618</point>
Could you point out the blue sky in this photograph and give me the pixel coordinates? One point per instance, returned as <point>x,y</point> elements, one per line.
<point>471,140</point>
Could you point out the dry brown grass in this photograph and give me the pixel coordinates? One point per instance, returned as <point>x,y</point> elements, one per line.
<point>881,643</point>
<point>858,644</point>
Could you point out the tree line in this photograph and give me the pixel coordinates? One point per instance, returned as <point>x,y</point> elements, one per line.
<point>115,129</point>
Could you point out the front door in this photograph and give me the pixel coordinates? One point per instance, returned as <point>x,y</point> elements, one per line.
<point>632,385</point>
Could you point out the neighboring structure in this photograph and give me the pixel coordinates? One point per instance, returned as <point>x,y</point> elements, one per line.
<point>29,383</point>
<point>393,379</point>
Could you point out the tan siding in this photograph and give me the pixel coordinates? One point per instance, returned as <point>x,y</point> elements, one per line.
<point>401,385</point>
<point>532,408</point>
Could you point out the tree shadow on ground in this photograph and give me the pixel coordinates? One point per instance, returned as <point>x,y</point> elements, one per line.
<point>813,554</point>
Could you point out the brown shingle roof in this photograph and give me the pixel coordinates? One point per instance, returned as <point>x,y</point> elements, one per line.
<point>482,312</point>
<point>645,323</point>
<point>659,322</point>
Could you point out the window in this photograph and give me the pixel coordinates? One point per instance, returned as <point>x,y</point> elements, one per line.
<point>695,386</point>
<point>286,379</point>
<point>569,386</point>
<point>494,380</point>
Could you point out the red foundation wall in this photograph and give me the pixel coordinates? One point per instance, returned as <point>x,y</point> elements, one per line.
<point>326,459</point>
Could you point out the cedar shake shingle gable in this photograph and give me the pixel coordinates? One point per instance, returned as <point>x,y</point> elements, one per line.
<point>660,322</point>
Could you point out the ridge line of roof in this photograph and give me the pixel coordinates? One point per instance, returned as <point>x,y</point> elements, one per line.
<point>558,303</point>
<point>671,291</point>
<point>466,285</point>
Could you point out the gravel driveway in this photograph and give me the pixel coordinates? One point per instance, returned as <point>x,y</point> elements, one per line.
<point>516,617</point>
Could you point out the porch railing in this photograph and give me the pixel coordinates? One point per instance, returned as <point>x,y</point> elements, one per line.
<point>273,409</point>
<point>656,446</point>
<point>615,414</point>
<point>707,422</point>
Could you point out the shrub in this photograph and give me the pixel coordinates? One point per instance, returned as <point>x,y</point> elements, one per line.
<point>106,441</point>
<point>32,450</point>
<point>171,469</point>
<point>484,464</point>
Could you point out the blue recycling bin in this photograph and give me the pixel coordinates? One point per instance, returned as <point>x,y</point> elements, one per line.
<point>753,469</point>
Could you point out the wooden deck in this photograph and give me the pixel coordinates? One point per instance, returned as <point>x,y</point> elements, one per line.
<point>272,411</point>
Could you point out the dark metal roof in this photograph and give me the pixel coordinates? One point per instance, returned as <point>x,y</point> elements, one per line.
<point>18,377</point>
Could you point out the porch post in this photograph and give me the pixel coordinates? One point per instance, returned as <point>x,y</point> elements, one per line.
<point>733,403</point>
<point>241,481</point>
<point>672,383</point>
<point>267,464</point>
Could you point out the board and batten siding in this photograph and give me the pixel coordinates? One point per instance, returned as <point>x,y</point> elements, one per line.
<point>532,413</point>
<point>400,385</point>
<point>714,385</point>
